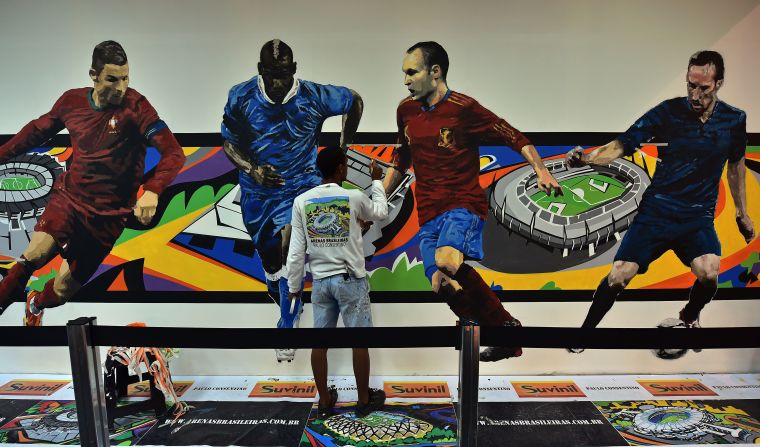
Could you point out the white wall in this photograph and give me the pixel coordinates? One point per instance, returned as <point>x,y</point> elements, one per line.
<point>545,65</point>
<point>570,66</point>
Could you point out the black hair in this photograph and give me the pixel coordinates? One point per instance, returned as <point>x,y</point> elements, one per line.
<point>707,57</point>
<point>108,52</point>
<point>433,54</point>
<point>329,159</point>
<point>275,51</point>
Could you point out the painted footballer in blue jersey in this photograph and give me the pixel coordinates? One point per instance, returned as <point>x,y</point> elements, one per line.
<point>685,183</point>
<point>703,135</point>
<point>271,126</point>
<point>283,136</point>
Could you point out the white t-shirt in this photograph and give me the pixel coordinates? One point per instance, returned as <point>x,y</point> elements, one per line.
<point>325,225</point>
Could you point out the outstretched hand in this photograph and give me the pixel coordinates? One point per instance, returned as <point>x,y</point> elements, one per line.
<point>145,208</point>
<point>576,158</point>
<point>267,175</point>
<point>547,183</point>
<point>746,228</point>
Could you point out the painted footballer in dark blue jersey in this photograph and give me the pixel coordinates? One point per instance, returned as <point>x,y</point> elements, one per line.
<point>702,134</point>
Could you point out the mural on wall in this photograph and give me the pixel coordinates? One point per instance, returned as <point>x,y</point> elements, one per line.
<point>198,241</point>
<point>86,208</point>
<point>216,218</point>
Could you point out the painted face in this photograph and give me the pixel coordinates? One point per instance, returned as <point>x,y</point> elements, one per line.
<point>278,78</point>
<point>111,84</point>
<point>418,78</point>
<point>701,87</point>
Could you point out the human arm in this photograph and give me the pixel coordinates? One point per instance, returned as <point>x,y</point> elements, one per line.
<point>603,155</point>
<point>351,120</point>
<point>264,175</point>
<point>736,174</point>
<point>34,133</point>
<point>544,179</point>
<point>237,136</point>
<point>296,251</point>
<point>172,161</point>
<point>402,159</point>
<point>644,129</point>
<point>485,126</point>
<point>376,207</point>
<point>157,134</point>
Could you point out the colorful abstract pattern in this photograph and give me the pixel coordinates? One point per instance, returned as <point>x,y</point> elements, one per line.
<point>197,241</point>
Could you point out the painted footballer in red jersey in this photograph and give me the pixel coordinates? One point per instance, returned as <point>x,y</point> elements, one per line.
<point>440,133</point>
<point>443,146</point>
<point>111,127</point>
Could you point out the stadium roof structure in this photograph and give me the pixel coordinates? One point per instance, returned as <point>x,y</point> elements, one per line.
<point>26,182</point>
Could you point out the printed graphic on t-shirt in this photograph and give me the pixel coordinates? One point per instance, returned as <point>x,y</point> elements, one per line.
<point>327,221</point>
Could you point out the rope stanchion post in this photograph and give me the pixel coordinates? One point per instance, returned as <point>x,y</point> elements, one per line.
<point>88,384</point>
<point>469,373</point>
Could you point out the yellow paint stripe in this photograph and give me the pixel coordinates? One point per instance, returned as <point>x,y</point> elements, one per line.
<point>158,256</point>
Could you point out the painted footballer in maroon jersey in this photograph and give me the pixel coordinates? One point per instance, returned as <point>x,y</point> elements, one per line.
<point>111,126</point>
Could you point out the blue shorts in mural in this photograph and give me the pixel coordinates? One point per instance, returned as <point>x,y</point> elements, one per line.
<point>649,238</point>
<point>341,294</point>
<point>265,215</point>
<point>459,228</point>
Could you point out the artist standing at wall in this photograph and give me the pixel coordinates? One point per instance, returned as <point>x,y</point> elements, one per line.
<point>326,224</point>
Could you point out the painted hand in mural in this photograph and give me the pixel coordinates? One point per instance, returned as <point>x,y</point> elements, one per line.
<point>746,228</point>
<point>266,175</point>
<point>576,158</point>
<point>547,183</point>
<point>145,208</point>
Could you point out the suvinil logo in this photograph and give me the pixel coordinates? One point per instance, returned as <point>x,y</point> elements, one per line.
<point>273,388</point>
<point>556,388</point>
<point>142,389</point>
<point>690,387</point>
<point>417,389</point>
<point>22,387</point>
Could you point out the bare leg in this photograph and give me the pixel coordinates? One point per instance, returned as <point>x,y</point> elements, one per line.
<point>42,247</point>
<point>361,373</point>
<point>319,368</point>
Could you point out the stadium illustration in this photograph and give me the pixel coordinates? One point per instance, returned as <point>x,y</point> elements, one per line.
<point>25,184</point>
<point>598,203</point>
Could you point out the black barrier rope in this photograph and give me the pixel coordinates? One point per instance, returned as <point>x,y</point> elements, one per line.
<point>629,338</point>
<point>391,337</point>
<point>398,297</point>
<point>239,338</point>
<point>33,336</point>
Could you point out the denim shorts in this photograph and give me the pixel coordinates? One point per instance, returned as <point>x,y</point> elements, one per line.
<point>341,294</point>
<point>459,228</point>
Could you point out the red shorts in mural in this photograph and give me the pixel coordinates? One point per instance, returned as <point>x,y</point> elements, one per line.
<point>84,238</point>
